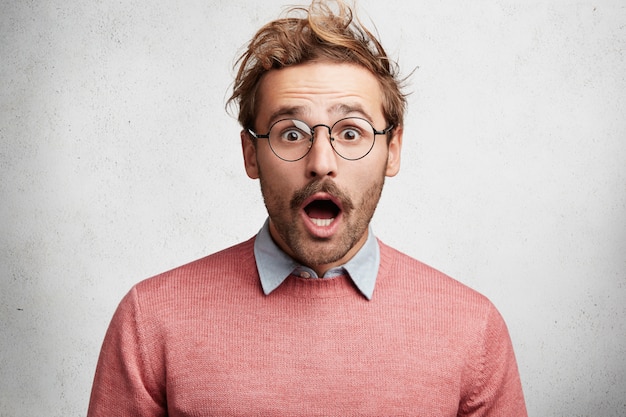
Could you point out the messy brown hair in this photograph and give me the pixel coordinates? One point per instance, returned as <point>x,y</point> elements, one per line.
<point>321,34</point>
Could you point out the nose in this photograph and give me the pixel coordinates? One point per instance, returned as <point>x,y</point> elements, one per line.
<point>321,161</point>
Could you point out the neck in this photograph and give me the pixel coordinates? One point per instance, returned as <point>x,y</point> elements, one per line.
<point>322,266</point>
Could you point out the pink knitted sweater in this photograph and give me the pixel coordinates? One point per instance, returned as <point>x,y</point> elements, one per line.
<point>203,340</point>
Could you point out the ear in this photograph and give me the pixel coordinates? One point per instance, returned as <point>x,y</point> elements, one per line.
<point>249,155</point>
<point>393,152</point>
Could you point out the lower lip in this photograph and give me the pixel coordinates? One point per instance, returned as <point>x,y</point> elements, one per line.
<point>321,232</point>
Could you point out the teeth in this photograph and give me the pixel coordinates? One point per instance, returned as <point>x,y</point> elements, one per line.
<point>322,222</point>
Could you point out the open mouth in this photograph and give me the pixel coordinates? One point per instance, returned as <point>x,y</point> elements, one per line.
<point>322,212</point>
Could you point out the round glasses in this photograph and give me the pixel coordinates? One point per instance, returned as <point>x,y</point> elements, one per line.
<point>352,138</point>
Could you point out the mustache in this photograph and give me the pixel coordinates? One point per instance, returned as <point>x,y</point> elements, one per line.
<point>328,187</point>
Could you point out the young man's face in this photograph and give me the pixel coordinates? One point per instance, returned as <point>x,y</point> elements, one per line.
<point>320,206</point>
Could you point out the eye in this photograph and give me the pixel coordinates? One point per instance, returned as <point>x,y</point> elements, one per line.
<point>349,134</point>
<point>293,135</point>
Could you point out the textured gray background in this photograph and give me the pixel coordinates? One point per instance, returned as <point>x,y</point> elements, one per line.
<point>118,161</point>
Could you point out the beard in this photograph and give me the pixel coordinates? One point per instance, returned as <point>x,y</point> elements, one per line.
<point>310,250</point>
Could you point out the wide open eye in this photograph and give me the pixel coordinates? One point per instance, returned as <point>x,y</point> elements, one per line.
<point>349,134</point>
<point>351,130</point>
<point>293,135</point>
<point>290,132</point>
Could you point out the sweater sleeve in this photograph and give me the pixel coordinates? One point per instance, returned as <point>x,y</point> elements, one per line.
<point>494,386</point>
<point>124,383</point>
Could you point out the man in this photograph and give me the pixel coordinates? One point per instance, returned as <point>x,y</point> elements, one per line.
<point>313,316</point>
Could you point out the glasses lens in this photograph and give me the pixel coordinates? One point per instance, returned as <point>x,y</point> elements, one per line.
<point>353,137</point>
<point>290,139</point>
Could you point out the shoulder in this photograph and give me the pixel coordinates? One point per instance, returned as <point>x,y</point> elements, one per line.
<point>419,280</point>
<point>231,265</point>
<point>436,301</point>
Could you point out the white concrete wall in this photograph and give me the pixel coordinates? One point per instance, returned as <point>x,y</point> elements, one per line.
<point>118,161</point>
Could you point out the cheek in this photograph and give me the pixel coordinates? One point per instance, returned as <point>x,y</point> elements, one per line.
<point>361,187</point>
<point>364,175</point>
<point>277,178</point>
<point>269,165</point>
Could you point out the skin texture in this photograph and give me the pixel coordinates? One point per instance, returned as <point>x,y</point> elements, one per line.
<point>321,92</point>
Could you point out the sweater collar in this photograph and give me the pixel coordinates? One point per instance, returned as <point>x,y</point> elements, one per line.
<point>274,265</point>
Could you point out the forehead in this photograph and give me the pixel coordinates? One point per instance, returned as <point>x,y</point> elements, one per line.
<point>319,90</point>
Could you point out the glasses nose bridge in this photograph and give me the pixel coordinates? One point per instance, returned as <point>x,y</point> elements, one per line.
<point>314,129</point>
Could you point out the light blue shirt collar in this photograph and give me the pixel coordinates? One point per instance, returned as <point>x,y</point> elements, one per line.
<point>275,266</point>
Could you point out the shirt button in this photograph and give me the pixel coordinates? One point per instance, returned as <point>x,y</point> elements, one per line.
<point>305,274</point>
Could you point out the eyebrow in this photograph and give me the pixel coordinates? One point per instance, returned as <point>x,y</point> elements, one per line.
<point>342,110</point>
<point>346,109</point>
<point>287,111</point>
